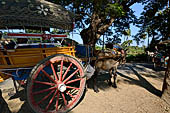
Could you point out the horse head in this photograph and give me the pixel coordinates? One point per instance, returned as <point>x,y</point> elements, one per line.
<point>123,56</point>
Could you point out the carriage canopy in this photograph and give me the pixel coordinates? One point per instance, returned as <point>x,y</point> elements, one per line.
<point>34,14</point>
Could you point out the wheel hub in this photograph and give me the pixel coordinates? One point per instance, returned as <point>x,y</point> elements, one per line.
<point>62,87</point>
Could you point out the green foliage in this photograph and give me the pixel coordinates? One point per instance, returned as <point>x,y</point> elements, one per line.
<point>97,14</point>
<point>155,20</point>
<point>98,48</point>
<point>137,58</point>
<point>127,43</point>
<point>115,10</point>
<point>136,54</point>
<point>33,31</point>
<point>127,32</point>
<point>134,50</point>
<point>55,31</point>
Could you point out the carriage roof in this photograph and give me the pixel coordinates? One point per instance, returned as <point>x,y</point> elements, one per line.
<point>34,14</point>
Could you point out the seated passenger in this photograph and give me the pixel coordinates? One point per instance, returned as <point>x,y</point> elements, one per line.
<point>6,44</point>
<point>22,40</point>
<point>1,46</point>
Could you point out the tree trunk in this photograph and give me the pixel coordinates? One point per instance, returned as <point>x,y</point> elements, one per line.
<point>95,30</point>
<point>166,85</point>
<point>89,36</point>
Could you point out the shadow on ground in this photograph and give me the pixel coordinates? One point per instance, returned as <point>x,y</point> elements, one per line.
<point>25,108</point>
<point>102,85</point>
<point>141,82</point>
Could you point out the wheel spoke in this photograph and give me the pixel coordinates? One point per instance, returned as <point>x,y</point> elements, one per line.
<point>46,74</point>
<point>61,69</point>
<point>75,80</point>
<point>45,83</point>
<point>56,85</point>
<point>72,87</point>
<point>65,101</point>
<point>58,94</point>
<point>67,71</point>
<point>45,90</point>
<point>71,75</point>
<point>45,97</point>
<point>51,101</point>
<point>54,72</point>
<point>70,94</point>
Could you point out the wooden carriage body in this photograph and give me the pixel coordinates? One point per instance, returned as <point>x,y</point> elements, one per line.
<point>28,57</point>
<point>54,69</point>
<point>55,77</point>
<point>23,55</point>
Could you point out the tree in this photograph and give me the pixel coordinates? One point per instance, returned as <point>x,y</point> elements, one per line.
<point>127,33</point>
<point>143,37</point>
<point>95,17</point>
<point>155,19</point>
<point>166,85</point>
<point>136,39</point>
<point>126,44</point>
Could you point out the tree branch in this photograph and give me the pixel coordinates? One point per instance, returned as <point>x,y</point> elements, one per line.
<point>104,28</point>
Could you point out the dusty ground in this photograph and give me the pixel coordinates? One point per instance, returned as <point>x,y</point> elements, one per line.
<point>139,89</point>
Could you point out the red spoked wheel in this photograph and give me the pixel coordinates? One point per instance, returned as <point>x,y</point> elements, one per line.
<point>56,84</point>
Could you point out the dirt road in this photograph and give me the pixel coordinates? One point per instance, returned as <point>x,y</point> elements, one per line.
<point>139,89</point>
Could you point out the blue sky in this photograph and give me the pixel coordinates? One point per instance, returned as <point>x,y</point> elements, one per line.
<point>137,8</point>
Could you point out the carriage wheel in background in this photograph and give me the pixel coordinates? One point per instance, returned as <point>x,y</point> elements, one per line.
<point>56,84</point>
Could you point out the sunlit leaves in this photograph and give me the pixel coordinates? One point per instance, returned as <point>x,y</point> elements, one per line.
<point>125,44</point>
<point>115,10</point>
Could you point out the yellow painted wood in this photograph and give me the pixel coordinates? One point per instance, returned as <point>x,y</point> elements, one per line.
<point>3,77</point>
<point>29,57</point>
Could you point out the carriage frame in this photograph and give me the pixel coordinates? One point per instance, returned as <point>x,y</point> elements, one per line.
<point>55,72</point>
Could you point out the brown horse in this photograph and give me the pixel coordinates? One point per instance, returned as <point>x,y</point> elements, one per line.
<point>107,61</point>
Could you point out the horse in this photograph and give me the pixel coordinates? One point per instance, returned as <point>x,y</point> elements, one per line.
<point>108,61</point>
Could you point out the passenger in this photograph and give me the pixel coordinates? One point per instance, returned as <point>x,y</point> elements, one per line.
<point>10,44</point>
<point>22,40</point>
<point>1,46</point>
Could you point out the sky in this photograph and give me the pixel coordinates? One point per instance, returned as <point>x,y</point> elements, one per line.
<point>137,8</point>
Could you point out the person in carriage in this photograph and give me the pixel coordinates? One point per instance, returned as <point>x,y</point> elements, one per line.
<point>0,40</point>
<point>118,50</point>
<point>6,43</point>
<point>159,55</point>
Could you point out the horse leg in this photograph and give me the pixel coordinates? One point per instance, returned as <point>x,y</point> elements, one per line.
<point>94,78</point>
<point>114,77</point>
<point>110,77</point>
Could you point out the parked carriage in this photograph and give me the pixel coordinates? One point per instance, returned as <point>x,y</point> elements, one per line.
<point>55,77</point>
<point>54,74</point>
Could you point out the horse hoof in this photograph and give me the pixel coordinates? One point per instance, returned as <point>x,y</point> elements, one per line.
<point>114,86</point>
<point>96,91</point>
<point>110,83</point>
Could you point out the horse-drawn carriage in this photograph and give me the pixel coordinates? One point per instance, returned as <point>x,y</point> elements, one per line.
<point>55,78</point>
<point>161,54</point>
